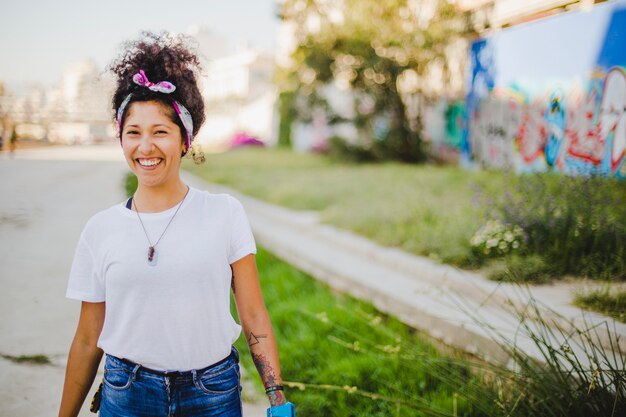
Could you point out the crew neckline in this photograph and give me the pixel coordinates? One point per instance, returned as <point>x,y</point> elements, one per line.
<point>158,214</point>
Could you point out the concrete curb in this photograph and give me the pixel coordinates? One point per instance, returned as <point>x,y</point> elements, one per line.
<point>443,301</point>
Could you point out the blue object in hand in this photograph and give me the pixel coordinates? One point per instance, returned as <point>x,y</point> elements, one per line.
<point>283,410</point>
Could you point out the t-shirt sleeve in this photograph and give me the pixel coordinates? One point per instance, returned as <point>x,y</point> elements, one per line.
<point>85,283</point>
<point>241,239</point>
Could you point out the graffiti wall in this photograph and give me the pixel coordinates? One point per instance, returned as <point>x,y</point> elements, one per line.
<point>551,96</point>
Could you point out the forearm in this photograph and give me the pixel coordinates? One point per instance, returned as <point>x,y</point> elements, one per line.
<point>82,366</point>
<point>262,343</point>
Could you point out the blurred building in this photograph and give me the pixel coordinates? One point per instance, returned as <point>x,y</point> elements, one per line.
<point>240,98</point>
<point>74,111</point>
<point>498,14</point>
<point>236,83</point>
<point>238,91</point>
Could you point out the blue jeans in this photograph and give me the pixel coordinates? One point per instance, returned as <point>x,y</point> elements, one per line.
<point>133,391</point>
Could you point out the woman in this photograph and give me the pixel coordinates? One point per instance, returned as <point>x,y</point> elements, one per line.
<point>154,273</point>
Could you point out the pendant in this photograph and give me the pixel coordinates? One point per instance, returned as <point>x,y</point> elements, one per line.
<point>152,256</point>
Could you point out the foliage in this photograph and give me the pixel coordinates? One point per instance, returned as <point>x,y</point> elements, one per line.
<point>374,51</point>
<point>130,184</point>
<point>497,239</point>
<point>577,224</point>
<point>342,357</point>
<point>287,115</point>
<point>604,301</point>
<point>570,374</point>
<point>435,211</point>
<point>342,150</point>
<point>516,267</point>
<point>428,210</point>
<point>32,359</point>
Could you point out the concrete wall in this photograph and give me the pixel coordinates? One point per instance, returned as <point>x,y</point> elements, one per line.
<point>551,95</point>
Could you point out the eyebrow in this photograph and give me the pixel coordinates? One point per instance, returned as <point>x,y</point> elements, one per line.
<point>157,125</point>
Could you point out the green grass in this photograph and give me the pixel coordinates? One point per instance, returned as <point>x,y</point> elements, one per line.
<point>434,211</point>
<point>426,210</point>
<point>33,359</point>
<point>610,303</point>
<point>342,357</point>
<point>351,360</point>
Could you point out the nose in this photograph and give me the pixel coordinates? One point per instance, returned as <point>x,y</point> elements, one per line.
<point>145,145</point>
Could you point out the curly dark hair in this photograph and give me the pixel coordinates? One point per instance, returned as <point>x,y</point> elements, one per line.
<point>163,57</point>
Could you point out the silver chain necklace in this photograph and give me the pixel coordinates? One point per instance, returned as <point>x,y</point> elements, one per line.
<point>151,248</point>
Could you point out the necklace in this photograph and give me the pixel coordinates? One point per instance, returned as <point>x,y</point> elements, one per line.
<point>151,249</point>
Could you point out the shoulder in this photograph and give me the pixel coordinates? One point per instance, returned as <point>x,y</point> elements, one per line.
<point>103,220</point>
<point>223,201</point>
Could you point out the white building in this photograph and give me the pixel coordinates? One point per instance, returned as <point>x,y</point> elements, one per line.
<point>75,111</point>
<point>238,91</point>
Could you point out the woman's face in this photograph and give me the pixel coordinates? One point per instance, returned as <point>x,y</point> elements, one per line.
<point>152,144</point>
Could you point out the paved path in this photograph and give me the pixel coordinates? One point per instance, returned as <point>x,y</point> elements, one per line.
<point>46,196</point>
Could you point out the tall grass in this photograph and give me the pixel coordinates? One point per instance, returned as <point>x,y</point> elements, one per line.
<point>422,209</point>
<point>574,225</point>
<point>577,225</point>
<point>341,357</point>
<point>605,301</point>
<point>575,370</point>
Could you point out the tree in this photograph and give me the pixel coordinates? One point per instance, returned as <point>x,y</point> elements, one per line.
<point>378,50</point>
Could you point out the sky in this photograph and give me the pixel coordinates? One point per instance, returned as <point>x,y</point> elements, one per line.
<point>39,38</point>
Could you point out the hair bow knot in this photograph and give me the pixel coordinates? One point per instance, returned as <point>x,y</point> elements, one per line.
<point>162,87</point>
<point>165,87</point>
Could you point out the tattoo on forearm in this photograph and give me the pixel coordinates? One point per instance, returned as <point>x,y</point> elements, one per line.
<point>253,339</point>
<point>266,372</point>
<point>277,398</point>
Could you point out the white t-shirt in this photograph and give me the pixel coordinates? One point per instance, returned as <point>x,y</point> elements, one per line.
<point>174,315</point>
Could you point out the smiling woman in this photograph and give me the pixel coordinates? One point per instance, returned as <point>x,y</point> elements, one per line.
<point>152,144</point>
<point>154,273</point>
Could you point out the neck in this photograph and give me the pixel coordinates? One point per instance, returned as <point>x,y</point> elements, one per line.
<point>155,199</point>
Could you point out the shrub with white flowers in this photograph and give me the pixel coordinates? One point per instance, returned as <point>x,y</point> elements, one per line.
<point>495,238</point>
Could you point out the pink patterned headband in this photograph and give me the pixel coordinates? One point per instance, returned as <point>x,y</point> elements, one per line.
<point>164,87</point>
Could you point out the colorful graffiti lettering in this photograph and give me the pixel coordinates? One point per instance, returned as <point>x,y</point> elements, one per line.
<point>586,136</point>
<point>532,134</point>
<point>613,115</point>
<point>555,124</point>
<point>493,130</point>
<point>527,124</point>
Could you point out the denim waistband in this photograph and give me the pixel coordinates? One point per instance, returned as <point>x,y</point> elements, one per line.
<point>234,355</point>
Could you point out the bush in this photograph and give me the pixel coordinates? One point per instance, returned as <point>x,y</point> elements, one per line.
<point>287,114</point>
<point>578,225</point>
<point>497,239</point>
<point>612,304</point>
<point>517,268</point>
<point>130,184</point>
<point>341,150</point>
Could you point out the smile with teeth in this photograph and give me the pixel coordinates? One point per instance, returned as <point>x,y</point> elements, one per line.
<point>149,162</point>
